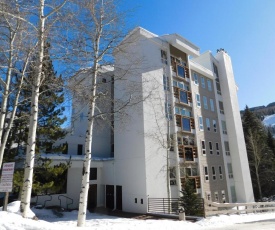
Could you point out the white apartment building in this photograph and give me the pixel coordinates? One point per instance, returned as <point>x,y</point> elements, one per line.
<point>186,124</point>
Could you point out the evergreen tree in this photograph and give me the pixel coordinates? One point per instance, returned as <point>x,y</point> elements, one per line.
<point>50,118</point>
<point>190,200</point>
<point>48,179</point>
<point>260,156</point>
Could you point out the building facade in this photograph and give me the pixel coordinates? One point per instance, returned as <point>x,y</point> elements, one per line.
<point>185,123</point>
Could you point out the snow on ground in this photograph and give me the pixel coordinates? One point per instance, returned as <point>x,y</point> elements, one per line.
<point>12,220</point>
<point>269,120</point>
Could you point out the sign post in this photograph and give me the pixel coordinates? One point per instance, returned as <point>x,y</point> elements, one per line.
<point>6,181</point>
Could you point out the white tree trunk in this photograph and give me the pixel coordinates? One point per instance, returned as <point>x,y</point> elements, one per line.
<point>30,154</point>
<point>6,95</point>
<point>88,154</point>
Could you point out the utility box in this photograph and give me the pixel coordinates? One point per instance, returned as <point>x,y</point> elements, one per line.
<point>181,213</point>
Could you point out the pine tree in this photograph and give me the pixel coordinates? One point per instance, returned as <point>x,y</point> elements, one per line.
<point>190,200</point>
<point>50,117</point>
<point>260,156</point>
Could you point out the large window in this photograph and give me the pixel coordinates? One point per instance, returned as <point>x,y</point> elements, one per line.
<point>209,85</point>
<point>220,172</point>
<point>198,99</point>
<point>163,57</point>
<point>205,104</point>
<point>202,82</point>
<point>207,122</point>
<point>212,107</point>
<point>166,85</point>
<point>230,171</point>
<point>224,129</point>
<point>200,123</point>
<point>210,147</point>
<point>183,97</point>
<point>186,124</point>
<point>203,147</point>
<point>182,111</point>
<point>180,85</point>
<point>180,71</point>
<point>168,111</point>
<point>217,148</point>
<point>221,107</point>
<point>215,126</point>
<point>206,176</point>
<point>196,78</point>
<point>213,173</point>
<point>227,150</point>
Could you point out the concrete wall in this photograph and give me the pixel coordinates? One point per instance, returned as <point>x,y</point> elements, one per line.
<point>238,152</point>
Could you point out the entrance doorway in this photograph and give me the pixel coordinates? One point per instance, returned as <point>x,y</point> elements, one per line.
<point>92,197</point>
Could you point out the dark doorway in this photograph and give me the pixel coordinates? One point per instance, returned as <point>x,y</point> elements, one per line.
<point>79,149</point>
<point>110,196</point>
<point>119,197</point>
<point>92,197</point>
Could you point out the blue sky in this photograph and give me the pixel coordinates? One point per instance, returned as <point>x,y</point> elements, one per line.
<point>244,28</point>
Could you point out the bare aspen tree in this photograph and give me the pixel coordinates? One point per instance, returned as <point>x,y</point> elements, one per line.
<point>15,53</point>
<point>36,83</point>
<point>98,28</point>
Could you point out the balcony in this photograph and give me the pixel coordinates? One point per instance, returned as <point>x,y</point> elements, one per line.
<point>182,72</point>
<point>182,96</point>
<point>195,181</point>
<point>185,124</point>
<point>188,152</point>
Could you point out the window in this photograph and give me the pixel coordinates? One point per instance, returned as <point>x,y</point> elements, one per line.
<point>227,150</point>
<point>215,126</point>
<point>79,149</point>
<point>200,123</point>
<point>213,173</point>
<point>230,172</point>
<point>180,85</point>
<point>183,111</point>
<point>203,147</point>
<point>208,195</point>
<point>209,85</point>
<point>220,172</point>
<point>196,78</point>
<point>212,105</point>
<point>104,80</point>
<point>173,176</point>
<point>186,124</point>
<point>216,196</point>
<point>218,87</point>
<point>224,129</point>
<point>183,97</point>
<point>202,82</point>
<point>205,104</point>
<point>180,71</point>
<point>210,147</point>
<point>168,111</point>
<point>233,194</point>
<point>217,148</point>
<point>191,172</point>
<point>206,176</point>
<point>198,100</point>
<point>221,107</point>
<point>207,121</point>
<point>223,196</point>
<point>93,173</point>
<point>166,83</point>
<point>163,57</point>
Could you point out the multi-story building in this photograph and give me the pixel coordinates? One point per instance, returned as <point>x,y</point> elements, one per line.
<point>187,125</point>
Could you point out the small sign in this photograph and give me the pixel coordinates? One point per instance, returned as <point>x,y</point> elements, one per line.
<point>5,186</point>
<point>7,177</point>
